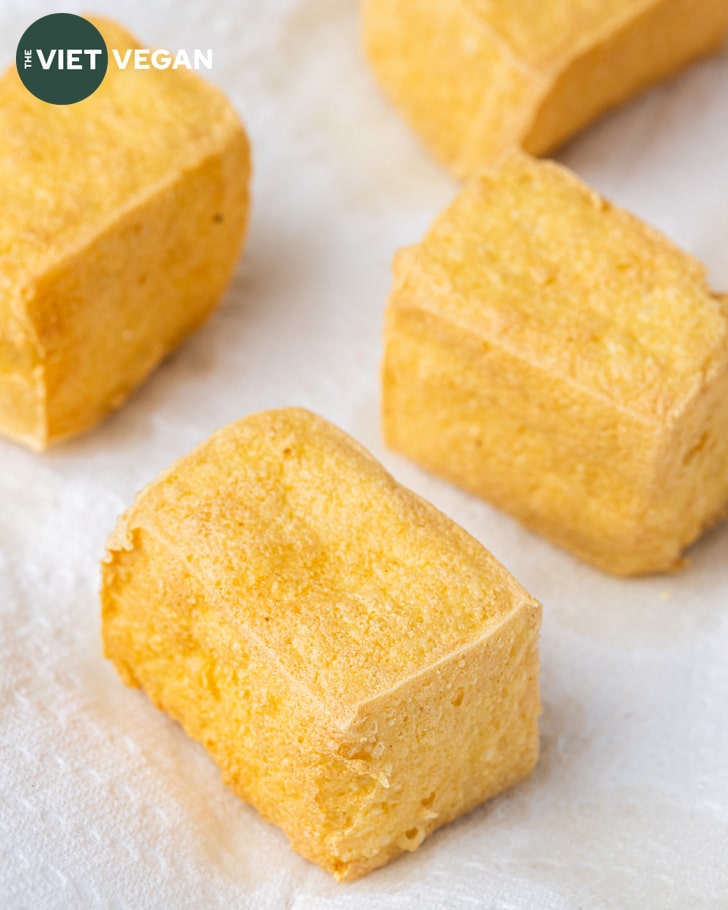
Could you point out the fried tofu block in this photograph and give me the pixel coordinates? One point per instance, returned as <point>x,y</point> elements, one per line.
<point>556,356</point>
<point>123,217</point>
<point>475,77</point>
<point>359,667</point>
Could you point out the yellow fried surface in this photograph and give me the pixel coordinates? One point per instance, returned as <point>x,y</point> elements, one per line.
<point>388,662</point>
<point>122,219</point>
<point>475,77</point>
<point>579,286</point>
<point>544,32</point>
<point>543,331</point>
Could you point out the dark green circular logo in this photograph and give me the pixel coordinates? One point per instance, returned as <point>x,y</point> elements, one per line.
<point>62,58</point>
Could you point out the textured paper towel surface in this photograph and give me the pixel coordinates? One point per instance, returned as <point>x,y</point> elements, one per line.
<point>103,800</point>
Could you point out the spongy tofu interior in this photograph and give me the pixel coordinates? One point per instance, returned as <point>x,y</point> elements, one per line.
<point>388,662</point>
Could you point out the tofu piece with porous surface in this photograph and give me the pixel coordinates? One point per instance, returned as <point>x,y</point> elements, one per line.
<point>123,218</point>
<point>556,356</point>
<point>361,669</point>
<point>475,77</point>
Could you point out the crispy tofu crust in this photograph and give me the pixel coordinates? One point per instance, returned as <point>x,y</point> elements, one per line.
<point>476,77</point>
<point>359,667</point>
<point>123,217</point>
<point>558,357</point>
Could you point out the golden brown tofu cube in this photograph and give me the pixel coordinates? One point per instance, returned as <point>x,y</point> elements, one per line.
<point>359,667</point>
<point>475,77</point>
<point>559,358</point>
<point>123,217</point>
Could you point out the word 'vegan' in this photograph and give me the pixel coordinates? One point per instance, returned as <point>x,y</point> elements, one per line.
<point>162,59</point>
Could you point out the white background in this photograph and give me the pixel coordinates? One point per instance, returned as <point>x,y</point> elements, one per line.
<point>103,801</point>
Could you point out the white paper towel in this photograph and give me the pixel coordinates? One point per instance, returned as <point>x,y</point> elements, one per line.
<point>103,800</point>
